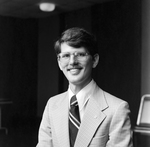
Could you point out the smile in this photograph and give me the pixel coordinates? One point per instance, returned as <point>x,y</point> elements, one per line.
<point>74,70</point>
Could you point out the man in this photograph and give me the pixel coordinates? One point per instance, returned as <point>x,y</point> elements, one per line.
<point>100,119</point>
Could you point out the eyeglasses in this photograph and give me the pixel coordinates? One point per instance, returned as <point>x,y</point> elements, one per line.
<point>65,56</point>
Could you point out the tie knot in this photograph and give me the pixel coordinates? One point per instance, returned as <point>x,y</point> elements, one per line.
<point>73,101</point>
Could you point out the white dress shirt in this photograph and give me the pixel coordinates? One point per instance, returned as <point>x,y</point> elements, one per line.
<point>83,96</point>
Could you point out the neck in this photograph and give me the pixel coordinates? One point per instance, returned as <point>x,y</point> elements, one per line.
<point>76,88</point>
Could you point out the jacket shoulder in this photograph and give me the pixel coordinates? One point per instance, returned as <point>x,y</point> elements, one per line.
<point>55,100</point>
<point>114,102</point>
<point>112,99</point>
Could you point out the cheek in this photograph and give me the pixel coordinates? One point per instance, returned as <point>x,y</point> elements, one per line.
<point>88,66</point>
<point>61,66</point>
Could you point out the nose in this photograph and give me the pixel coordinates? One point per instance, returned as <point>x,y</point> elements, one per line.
<point>73,59</point>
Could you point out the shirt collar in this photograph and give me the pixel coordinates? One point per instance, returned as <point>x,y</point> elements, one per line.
<point>84,94</point>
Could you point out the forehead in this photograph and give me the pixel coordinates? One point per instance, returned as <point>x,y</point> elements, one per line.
<point>66,48</point>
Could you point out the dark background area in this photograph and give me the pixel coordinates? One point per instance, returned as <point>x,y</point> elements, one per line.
<point>29,74</point>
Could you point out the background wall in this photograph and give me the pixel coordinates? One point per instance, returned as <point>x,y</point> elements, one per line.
<point>18,68</point>
<point>145,78</point>
<point>47,65</point>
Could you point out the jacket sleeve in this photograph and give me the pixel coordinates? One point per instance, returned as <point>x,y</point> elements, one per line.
<point>120,134</point>
<point>45,136</point>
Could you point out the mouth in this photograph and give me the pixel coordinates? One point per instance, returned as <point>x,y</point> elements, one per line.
<point>74,70</point>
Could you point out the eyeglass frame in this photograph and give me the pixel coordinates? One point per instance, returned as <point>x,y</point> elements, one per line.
<point>75,54</point>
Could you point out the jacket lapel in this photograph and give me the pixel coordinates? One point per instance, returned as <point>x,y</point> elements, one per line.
<point>60,119</point>
<point>93,117</point>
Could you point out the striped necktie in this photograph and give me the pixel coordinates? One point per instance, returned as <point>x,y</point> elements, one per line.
<point>74,120</point>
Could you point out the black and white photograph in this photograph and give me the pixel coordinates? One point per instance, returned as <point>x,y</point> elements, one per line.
<point>74,73</point>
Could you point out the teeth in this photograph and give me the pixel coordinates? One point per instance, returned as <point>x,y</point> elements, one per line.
<point>74,71</point>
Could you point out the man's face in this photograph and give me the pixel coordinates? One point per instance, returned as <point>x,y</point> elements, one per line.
<point>78,72</point>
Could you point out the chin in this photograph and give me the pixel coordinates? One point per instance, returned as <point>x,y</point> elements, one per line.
<point>75,82</point>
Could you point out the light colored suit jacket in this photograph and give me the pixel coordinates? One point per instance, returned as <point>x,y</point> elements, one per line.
<point>106,122</point>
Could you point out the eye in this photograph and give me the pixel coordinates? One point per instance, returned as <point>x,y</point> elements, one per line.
<point>66,55</point>
<point>81,54</point>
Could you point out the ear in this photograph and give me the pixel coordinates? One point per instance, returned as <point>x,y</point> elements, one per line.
<point>95,60</point>
<point>59,64</point>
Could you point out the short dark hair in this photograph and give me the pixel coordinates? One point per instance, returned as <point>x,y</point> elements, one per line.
<point>77,37</point>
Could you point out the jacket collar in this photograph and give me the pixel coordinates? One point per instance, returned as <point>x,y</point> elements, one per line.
<point>60,121</point>
<point>93,117</point>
